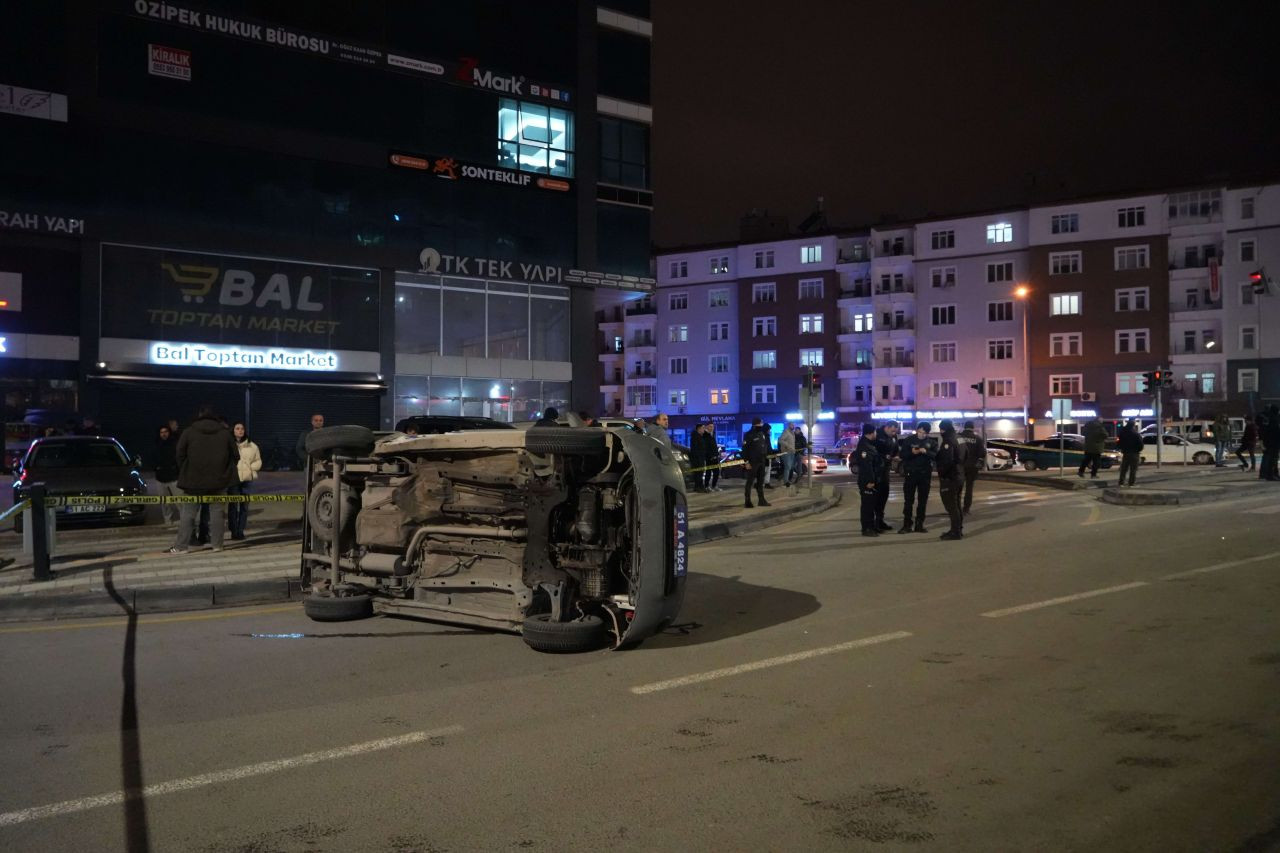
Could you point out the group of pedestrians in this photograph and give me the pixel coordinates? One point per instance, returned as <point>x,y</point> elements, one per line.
<point>704,458</point>
<point>957,458</point>
<point>208,458</point>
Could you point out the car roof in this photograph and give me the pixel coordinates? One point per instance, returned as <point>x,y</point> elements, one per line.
<point>452,423</point>
<point>70,439</point>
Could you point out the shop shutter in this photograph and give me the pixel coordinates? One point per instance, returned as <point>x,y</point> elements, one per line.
<point>279,413</point>
<point>134,411</point>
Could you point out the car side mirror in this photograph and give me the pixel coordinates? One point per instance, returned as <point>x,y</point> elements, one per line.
<point>136,462</point>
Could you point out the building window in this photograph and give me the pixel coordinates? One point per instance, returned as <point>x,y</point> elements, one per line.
<point>1200,204</point>
<point>764,359</point>
<point>679,269</point>
<point>811,288</point>
<point>1064,223</point>
<point>811,358</point>
<point>1065,344</point>
<point>942,240</point>
<point>1248,251</point>
<point>942,276</point>
<point>999,387</point>
<point>678,365</point>
<point>1132,258</point>
<point>1131,383</point>
<point>1000,349</point>
<point>1246,294</point>
<point>1000,312</point>
<point>863,358</point>
<point>999,271</point>
<point>764,259</point>
<point>641,395</point>
<point>942,353</point>
<point>719,396</point>
<point>1133,299</point>
<point>677,334</point>
<point>720,265</point>
<point>942,389</point>
<point>810,324</point>
<point>762,327</point>
<point>624,152</point>
<point>678,301</point>
<point>862,322</point>
<point>943,315</point>
<point>616,344</point>
<point>1065,384</point>
<point>718,363</point>
<point>1064,263</point>
<point>895,283</point>
<point>811,254</point>
<point>678,396</point>
<point>1000,232</point>
<point>1061,304</point>
<point>1248,337</point>
<point>765,291</point>
<point>1133,340</point>
<point>535,138</point>
<point>1246,207</point>
<point>718,298</point>
<point>1131,217</point>
<point>764,394</point>
<point>717,331</point>
<point>1247,380</point>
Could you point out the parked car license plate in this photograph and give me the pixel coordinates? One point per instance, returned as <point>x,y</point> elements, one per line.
<point>86,508</point>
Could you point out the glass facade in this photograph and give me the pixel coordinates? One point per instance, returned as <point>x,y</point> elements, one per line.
<point>508,400</point>
<point>535,138</point>
<point>478,319</point>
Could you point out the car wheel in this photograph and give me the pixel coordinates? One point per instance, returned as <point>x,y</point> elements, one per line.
<point>356,439</point>
<point>1202,458</point>
<point>581,635</point>
<point>320,508</point>
<point>1029,465</point>
<point>337,608</point>
<point>564,440</point>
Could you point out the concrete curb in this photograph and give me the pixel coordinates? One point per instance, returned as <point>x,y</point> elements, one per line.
<point>176,599</point>
<point>1070,483</point>
<point>1173,497</point>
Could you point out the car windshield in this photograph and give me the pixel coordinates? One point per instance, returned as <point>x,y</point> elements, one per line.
<point>78,454</point>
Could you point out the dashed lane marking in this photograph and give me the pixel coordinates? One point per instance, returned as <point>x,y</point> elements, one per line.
<point>219,777</point>
<point>699,678</point>
<point>1050,602</point>
<point>1217,567</point>
<point>1264,510</point>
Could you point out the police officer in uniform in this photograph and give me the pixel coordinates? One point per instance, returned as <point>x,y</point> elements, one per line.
<point>887,445</point>
<point>870,466</point>
<point>755,450</point>
<point>950,461</point>
<point>917,468</point>
<point>975,460</point>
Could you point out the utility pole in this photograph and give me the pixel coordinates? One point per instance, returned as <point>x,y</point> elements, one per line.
<point>981,387</point>
<point>1159,389</point>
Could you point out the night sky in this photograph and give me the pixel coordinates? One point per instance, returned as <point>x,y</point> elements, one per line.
<point>910,109</point>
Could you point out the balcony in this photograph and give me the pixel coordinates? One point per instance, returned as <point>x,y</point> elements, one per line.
<point>642,341</point>
<point>1184,348</point>
<point>642,374</point>
<point>895,403</point>
<point>851,330</point>
<point>860,290</point>
<point>1194,302</point>
<point>895,289</point>
<point>642,309</point>
<point>609,315</point>
<point>857,255</point>
<point>904,360</point>
<point>903,324</point>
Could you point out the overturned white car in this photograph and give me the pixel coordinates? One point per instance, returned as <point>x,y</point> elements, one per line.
<point>572,537</point>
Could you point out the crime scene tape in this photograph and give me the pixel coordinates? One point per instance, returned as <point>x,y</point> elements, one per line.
<point>135,500</point>
<point>733,463</point>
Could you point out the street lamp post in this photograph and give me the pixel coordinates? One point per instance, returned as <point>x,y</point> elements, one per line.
<point>1022,292</point>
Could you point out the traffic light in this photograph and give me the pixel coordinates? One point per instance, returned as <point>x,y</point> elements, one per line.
<point>812,382</point>
<point>1150,381</point>
<point>1166,378</point>
<point>1258,278</point>
<point>979,385</point>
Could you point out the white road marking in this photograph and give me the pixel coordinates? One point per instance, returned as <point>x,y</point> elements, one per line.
<point>1205,508</point>
<point>1036,605</point>
<point>1264,510</point>
<point>234,774</point>
<point>685,681</point>
<point>1217,567</point>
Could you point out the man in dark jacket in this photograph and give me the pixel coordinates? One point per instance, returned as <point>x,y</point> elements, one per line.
<point>300,447</point>
<point>887,445</point>
<point>755,451</point>
<point>711,455</point>
<point>207,458</point>
<point>1248,443</point>
<point>166,467</point>
<point>696,460</point>
<point>1095,441</point>
<point>917,470</point>
<point>1130,445</point>
<point>870,466</point>
<point>1270,433</point>
<point>974,461</point>
<point>550,417</point>
<point>950,461</point>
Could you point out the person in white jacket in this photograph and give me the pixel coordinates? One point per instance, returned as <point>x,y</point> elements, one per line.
<point>246,472</point>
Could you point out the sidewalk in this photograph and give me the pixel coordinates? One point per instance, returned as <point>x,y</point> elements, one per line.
<point>1148,474</point>
<point>1192,487</point>
<point>265,567</point>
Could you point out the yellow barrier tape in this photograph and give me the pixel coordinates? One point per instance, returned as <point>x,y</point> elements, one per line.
<point>151,500</point>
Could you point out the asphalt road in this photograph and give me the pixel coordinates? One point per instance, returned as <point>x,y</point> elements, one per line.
<point>1071,676</point>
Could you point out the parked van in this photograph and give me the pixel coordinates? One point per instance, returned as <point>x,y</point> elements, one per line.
<point>1197,431</point>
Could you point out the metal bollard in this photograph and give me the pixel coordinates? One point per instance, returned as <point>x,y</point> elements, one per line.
<point>38,524</point>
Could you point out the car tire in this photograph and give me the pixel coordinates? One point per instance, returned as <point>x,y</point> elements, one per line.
<point>320,509</point>
<point>357,439</point>
<point>1029,465</point>
<point>565,440</point>
<point>1202,457</point>
<point>581,635</point>
<point>337,608</point>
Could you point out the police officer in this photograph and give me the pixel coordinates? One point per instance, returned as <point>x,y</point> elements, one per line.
<point>975,460</point>
<point>887,445</point>
<point>950,461</point>
<point>870,466</point>
<point>917,468</point>
<point>755,450</point>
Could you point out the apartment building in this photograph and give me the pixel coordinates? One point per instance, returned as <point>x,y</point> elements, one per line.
<point>854,337</point>
<point>1251,312</point>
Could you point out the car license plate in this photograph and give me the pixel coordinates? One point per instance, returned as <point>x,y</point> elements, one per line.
<point>86,508</point>
<point>681,537</point>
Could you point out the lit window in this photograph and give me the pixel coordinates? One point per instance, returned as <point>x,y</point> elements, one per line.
<point>810,324</point>
<point>862,322</point>
<point>811,254</point>
<point>1064,303</point>
<point>1131,383</point>
<point>764,359</point>
<point>720,265</point>
<point>677,334</point>
<point>811,358</point>
<point>1000,232</point>
<point>535,138</point>
<point>719,396</point>
<point>678,396</point>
